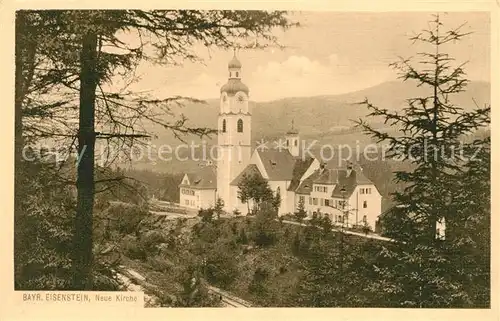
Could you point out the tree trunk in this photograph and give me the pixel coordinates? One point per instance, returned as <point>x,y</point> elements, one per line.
<point>83,259</point>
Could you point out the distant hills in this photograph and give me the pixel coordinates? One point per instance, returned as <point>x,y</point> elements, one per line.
<point>327,118</point>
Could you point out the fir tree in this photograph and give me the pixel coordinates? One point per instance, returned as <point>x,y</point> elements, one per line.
<point>300,213</point>
<point>417,271</point>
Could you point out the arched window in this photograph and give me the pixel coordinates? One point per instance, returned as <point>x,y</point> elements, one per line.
<point>296,142</point>
<point>223,125</point>
<point>240,126</point>
<point>237,74</point>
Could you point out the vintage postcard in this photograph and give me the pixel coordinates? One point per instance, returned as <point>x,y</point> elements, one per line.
<point>278,156</point>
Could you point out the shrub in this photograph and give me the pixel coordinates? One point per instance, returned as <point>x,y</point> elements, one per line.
<point>126,218</point>
<point>160,264</point>
<point>221,269</point>
<point>133,249</point>
<point>257,285</point>
<point>207,215</point>
<point>242,237</point>
<point>151,240</point>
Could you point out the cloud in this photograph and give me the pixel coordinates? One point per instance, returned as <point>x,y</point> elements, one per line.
<point>301,76</point>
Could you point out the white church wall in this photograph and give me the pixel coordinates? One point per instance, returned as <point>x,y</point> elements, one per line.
<point>290,202</point>
<point>282,185</point>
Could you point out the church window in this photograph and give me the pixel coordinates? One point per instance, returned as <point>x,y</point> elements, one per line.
<point>223,125</point>
<point>237,74</point>
<point>240,126</point>
<point>296,142</point>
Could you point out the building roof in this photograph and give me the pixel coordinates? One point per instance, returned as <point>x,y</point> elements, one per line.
<point>300,167</point>
<point>349,181</point>
<point>306,186</point>
<point>204,178</point>
<point>341,178</point>
<point>279,165</point>
<point>250,170</point>
<point>234,63</point>
<point>233,86</point>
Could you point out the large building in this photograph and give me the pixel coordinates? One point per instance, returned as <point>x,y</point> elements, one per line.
<point>341,192</point>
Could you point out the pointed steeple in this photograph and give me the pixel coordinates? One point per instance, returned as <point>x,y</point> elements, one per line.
<point>292,130</point>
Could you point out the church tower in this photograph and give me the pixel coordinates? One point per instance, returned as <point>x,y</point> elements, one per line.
<point>234,133</point>
<point>293,141</point>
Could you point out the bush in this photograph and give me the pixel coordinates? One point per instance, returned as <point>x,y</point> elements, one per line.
<point>207,215</point>
<point>126,218</point>
<point>265,228</point>
<point>221,269</point>
<point>151,240</point>
<point>133,249</point>
<point>160,264</point>
<point>242,237</point>
<point>257,285</point>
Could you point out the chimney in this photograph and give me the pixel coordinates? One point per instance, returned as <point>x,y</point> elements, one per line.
<point>349,168</point>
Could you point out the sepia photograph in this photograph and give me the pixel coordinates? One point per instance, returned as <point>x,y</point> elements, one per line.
<point>253,158</point>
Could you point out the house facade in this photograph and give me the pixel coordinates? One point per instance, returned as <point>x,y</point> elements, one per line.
<point>343,193</point>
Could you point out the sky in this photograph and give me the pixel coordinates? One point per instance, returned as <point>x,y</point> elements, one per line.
<point>331,53</point>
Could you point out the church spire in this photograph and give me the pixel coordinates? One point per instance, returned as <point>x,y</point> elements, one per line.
<point>292,130</point>
<point>234,63</point>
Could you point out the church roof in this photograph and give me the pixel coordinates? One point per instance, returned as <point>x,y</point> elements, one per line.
<point>278,164</point>
<point>234,63</point>
<point>250,170</point>
<point>204,178</point>
<point>233,86</point>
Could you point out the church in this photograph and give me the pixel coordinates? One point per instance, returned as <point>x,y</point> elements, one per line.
<point>341,192</point>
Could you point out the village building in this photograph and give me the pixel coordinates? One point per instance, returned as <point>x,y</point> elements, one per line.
<point>339,191</point>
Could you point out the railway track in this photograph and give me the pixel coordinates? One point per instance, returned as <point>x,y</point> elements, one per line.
<point>229,300</point>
